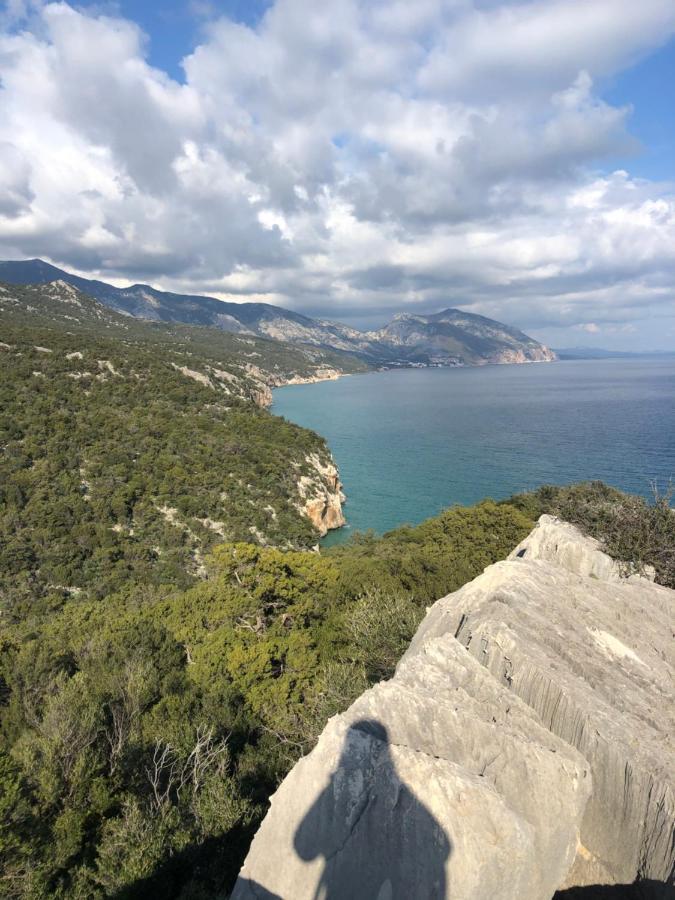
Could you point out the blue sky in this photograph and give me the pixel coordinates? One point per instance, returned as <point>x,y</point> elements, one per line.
<point>649,88</point>
<point>174,28</point>
<point>354,159</point>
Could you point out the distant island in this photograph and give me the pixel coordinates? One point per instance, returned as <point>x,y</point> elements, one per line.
<point>600,353</point>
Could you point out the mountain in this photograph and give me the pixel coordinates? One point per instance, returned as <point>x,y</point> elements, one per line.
<point>269,362</point>
<point>143,301</point>
<point>453,337</point>
<point>448,338</point>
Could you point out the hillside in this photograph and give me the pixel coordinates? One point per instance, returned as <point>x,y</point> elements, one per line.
<point>451,337</point>
<point>129,448</point>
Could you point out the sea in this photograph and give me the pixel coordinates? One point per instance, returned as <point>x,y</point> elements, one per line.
<point>410,442</point>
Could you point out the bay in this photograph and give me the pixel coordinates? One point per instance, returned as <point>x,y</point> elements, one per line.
<point>411,442</point>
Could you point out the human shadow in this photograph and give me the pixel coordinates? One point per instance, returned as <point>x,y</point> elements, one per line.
<point>377,839</point>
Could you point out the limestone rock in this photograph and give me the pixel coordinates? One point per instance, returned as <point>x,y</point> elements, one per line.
<point>559,542</point>
<point>261,395</point>
<point>321,494</point>
<point>322,373</point>
<point>524,744</point>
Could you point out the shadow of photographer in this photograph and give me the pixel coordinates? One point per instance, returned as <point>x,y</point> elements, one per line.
<point>377,839</point>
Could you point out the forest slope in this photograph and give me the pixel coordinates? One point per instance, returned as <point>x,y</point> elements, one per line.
<point>129,448</point>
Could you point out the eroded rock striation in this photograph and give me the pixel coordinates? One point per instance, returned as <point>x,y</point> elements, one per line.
<point>524,745</point>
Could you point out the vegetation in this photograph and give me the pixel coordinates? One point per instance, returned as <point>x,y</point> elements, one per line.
<point>141,735</point>
<point>119,465</point>
<point>158,679</point>
<point>639,534</point>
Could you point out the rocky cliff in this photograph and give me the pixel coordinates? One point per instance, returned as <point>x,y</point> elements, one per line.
<point>321,495</point>
<point>524,745</point>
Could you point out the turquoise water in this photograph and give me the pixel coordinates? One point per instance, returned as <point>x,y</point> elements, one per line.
<point>409,443</point>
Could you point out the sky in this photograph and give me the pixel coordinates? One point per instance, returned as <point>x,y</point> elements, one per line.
<point>354,159</point>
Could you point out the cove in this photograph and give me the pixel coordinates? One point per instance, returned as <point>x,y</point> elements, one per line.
<point>411,442</point>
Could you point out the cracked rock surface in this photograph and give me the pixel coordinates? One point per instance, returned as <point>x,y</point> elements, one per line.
<point>524,744</point>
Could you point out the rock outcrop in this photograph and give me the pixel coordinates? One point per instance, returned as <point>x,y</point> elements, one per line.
<point>321,374</point>
<point>321,494</point>
<point>524,745</point>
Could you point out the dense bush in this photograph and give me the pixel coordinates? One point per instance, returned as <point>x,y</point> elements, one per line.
<point>632,530</point>
<point>142,735</point>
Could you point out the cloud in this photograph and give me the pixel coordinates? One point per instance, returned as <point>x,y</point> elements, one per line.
<point>532,48</point>
<point>346,160</point>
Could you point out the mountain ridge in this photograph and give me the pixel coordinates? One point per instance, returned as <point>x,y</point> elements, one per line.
<point>450,337</point>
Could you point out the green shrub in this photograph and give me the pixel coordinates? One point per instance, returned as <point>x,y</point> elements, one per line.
<point>107,706</point>
<point>380,627</point>
<point>632,530</point>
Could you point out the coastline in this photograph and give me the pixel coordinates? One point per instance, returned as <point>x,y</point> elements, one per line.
<point>330,375</point>
<point>409,445</point>
<point>321,496</point>
<point>325,509</point>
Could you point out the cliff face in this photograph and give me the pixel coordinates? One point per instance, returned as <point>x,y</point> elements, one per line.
<point>531,354</point>
<point>321,495</point>
<point>320,490</point>
<point>524,745</point>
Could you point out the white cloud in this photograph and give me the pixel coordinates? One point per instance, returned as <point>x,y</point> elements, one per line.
<point>344,159</point>
<point>540,46</point>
